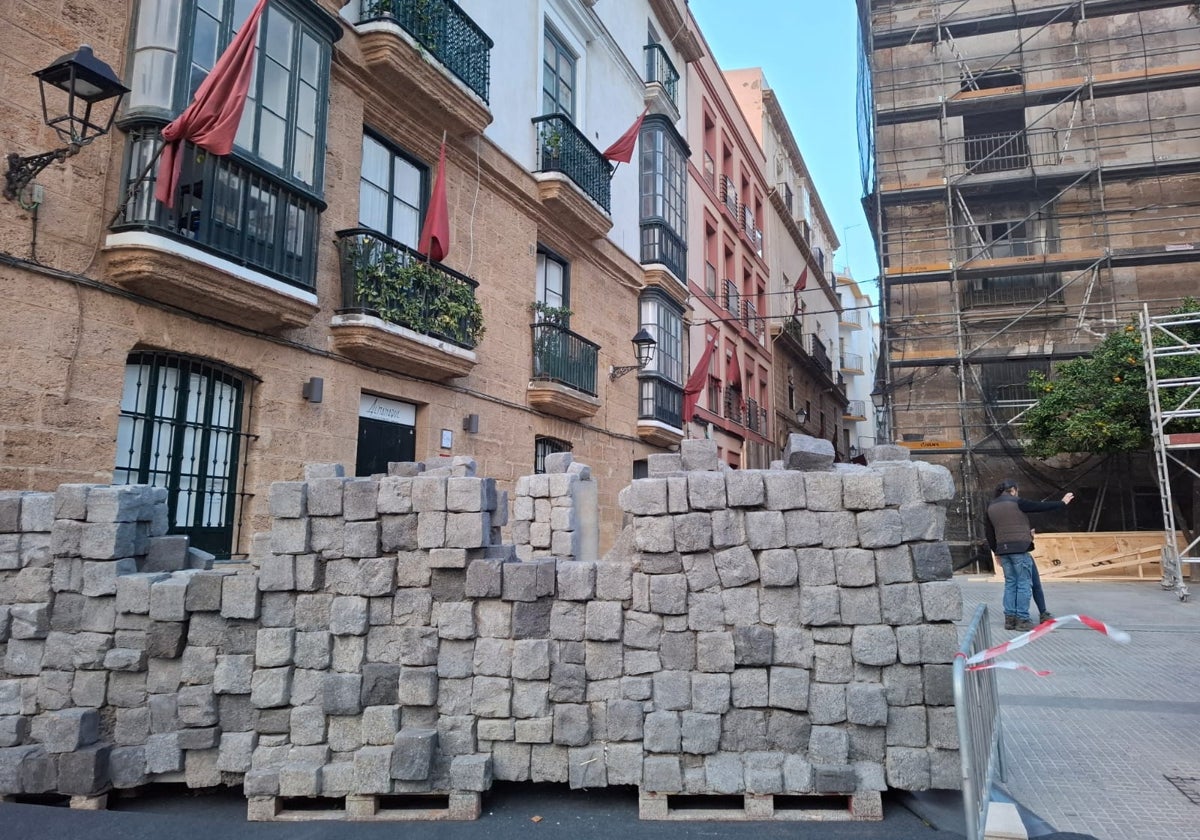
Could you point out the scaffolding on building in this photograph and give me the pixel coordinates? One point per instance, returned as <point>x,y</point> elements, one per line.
<point>1174,401</point>
<point>1023,207</point>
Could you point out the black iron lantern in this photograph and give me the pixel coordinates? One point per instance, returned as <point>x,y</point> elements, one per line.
<point>643,349</point>
<point>80,81</point>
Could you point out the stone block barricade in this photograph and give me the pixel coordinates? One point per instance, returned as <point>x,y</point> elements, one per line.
<point>756,633</point>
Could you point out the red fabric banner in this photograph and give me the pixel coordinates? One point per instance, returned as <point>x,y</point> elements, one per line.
<point>801,282</point>
<point>622,150</point>
<point>696,382</point>
<point>435,233</point>
<point>211,121</point>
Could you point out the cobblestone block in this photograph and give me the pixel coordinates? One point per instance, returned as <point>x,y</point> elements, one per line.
<point>668,594</point>
<point>706,490</point>
<point>880,528</point>
<point>655,534</point>
<point>908,768</point>
<point>839,529</point>
<point>859,605</point>
<point>603,621</point>
<point>931,561</point>
<point>900,603</point>
<point>854,567</point>
<point>874,645</point>
<point>941,601</point>
<point>803,527</point>
<point>753,645</point>
<point>937,484</point>
<point>84,772</point>
<point>789,688</point>
<point>239,596</point>
<point>807,454</point>
<point>348,616</point>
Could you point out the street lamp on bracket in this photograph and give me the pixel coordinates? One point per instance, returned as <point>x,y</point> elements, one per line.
<point>85,81</point>
<point>643,348</point>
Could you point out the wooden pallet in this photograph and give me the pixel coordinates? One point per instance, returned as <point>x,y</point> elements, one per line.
<point>863,805</point>
<point>96,802</point>
<point>366,807</point>
<point>1108,555</point>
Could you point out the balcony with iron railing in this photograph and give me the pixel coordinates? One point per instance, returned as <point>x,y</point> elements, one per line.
<point>732,299</point>
<point>852,363</point>
<point>815,347</point>
<point>433,51</point>
<point>402,312</point>
<point>851,319</point>
<point>661,244</point>
<point>756,417</point>
<point>563,379</point>
<point>733,405</point>
<point>238,243</point>
<point>1020,290</point>
<point>584,194</point>
<point>855,410</point>
<point>660,410</point>
<point>662,82</point>
<point>729,195</point>
<point>1004,151</point>
<point>755,324</point>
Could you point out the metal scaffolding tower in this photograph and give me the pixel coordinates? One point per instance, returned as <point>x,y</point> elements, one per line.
<point>1173,399</point>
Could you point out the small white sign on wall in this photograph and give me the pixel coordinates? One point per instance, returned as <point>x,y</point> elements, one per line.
<point>389,411</point>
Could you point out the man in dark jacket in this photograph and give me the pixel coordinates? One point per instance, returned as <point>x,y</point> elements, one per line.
<point>1010,536</point>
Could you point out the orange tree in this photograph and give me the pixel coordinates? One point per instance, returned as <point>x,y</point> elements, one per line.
<point>1099,403</point>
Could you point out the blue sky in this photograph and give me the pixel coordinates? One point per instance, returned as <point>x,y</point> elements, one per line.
<point>808,50</point>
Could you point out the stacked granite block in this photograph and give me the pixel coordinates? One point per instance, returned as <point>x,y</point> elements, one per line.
<point>545,517</point>
<point>777,631</point>
<point>92,610</point>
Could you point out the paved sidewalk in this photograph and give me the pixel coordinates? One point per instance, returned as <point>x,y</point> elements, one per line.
<point>1091,747</point>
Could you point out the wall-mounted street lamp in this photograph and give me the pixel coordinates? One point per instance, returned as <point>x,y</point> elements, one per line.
<point>802,416</point>
<point>643,348</point>
<point>85,81</point>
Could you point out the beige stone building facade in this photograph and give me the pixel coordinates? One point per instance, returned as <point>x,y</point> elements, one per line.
<point>1032,181</point>
<point>278,314</point>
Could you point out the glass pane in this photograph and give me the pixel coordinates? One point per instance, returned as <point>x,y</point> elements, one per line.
<point>158,24</point>
<point>406,224</point>
<point>310,60</point>
<point>407,184</point>
<point>306,109</point>
<point>372,206</point>
<point>302,166</point>
<point>210,7</point>
<point>153,79</point>
<point>275,88</point>
<point>374,162</point>
<point>205,35</point>
<point>279,37</point>
<point>271,138</point>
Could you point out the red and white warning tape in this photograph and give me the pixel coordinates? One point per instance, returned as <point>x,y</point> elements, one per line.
<point>982,661</point>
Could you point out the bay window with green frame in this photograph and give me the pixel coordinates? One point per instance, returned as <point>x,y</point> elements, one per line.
<point>660,383</point>
<point>259,206</point>
<point>664,159</point>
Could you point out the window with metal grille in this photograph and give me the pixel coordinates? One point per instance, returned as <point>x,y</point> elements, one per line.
<point>181,428</point>
<point>543,446</point>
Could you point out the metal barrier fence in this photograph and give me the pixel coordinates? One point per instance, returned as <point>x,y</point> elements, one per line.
<point>977,708</point>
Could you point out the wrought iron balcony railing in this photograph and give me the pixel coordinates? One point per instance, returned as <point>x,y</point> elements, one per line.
<point>855,408</point>
<point>755,324</point>
<point>381,277</point>
<point>815,347</point>
<point>733,299</point>
<point>660,400</point>
<point>659,68</point>
<point>733,405</point>
<point>562,356</point>
<point>1011,291</point>
<point>561,147</point>
<point>444,29</point>
<point>227,207</point>
<point>729,195</point>
<point>756,417</point>
<point>660,244</point>
<point>1003,151</point>
<point>852,362</point>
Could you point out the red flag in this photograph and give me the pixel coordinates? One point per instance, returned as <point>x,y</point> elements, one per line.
<point>697,381</point>
<point>801,282</point>
<point>211,121</point>
<point>622,149</point>
<point>435,233</point>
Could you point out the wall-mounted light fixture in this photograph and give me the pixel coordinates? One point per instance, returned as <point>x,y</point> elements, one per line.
<point>802,416</point>
<point>313,390</point>
<point>643,348</point>
<point>86,81</point>
<point>471,424</point>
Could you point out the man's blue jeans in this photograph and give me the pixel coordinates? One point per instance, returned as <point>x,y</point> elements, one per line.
<point>1018,583</point>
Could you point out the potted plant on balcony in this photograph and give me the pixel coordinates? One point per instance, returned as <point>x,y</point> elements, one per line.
<point>414,294</point>
<point>547,341</point>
